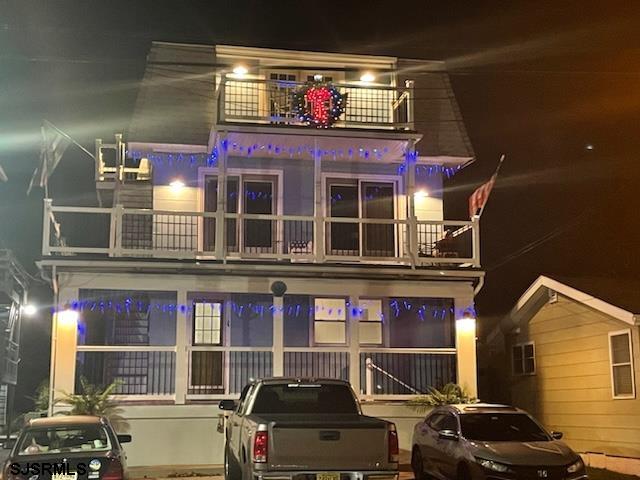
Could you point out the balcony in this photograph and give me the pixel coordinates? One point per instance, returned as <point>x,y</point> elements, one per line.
<point>163,234</point>
<point>270,102</point>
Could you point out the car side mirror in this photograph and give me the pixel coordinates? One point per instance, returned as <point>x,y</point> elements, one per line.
<point>124,438</point>
<point>556,435</point>
<point>227,405</point>
<point>8,444</point>
<point>448,435</point>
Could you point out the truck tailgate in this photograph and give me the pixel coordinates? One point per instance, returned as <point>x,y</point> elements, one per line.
<point>327,442</point>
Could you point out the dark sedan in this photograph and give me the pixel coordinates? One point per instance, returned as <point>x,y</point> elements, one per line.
<point>492,442</point>
<point>67,448</point>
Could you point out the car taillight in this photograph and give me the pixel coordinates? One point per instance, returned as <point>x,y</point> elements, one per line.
<point>394,446</point>
<point>114,471</point>
<point>260,447</point>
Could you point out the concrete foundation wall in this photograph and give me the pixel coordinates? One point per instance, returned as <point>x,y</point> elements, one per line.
<point>187,435</point>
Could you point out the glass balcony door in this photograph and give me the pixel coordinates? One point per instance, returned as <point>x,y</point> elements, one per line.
<point>362,200</point>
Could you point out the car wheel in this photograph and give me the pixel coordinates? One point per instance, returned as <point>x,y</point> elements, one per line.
<point>463,472</point>
<point>231,470</point>
<point>417,465</point>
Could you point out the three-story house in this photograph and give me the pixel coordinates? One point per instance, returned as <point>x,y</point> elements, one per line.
<point>267,213</point>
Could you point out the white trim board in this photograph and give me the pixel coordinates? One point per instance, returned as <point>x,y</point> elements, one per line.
<point>576,295</point>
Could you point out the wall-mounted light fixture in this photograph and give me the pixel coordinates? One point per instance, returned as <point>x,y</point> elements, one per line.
<point>176,185</point>
<point>367,77</point>
<point>240,70</point>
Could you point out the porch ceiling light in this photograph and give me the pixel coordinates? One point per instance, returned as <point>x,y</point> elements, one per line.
<point>29,310</point>
<point>176,185</point>
<point>240,70</point>
<point>367,77</point>
<point>317,77</point>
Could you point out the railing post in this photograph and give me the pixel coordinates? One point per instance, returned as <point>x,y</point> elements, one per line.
<point>368,377</point>
<point>475,230</point>
<point>99,163</point>
<point>319,225</point>
<point>118,230</point>
<point>409,85</point>
<point>411,207</point>
<point>278,336</point>
<point>354,342</point>
<point>182,361</point>
<point>221,98</point>
<point>46,228</point>
<point>221,206</point>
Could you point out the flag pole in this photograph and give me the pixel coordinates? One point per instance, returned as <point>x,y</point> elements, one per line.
<point>495,176</point>
<point>70,139</point>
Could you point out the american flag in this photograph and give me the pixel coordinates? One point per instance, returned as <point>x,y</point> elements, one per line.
<point>478,199</point>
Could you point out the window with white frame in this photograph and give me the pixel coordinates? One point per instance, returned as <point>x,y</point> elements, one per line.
<point>207,323</point>
<point>329,321</point>
<point>621,356</point>
<point>370,322</point>
<point>523,358</point>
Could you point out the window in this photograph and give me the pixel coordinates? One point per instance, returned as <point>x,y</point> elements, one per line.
<point>330,320</point>
<point>207,323</point>
<point>501,427</point>
<point>71,439</point>
<point>523,359</point>
<point>371,322</point>
<point>449,422</point>
<point>621,356</point>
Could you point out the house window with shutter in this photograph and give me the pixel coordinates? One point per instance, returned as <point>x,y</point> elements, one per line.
<point>621,357</point>
<point>523,359</point>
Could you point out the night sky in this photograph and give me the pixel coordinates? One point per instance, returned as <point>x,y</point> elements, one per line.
<point>538,81</point>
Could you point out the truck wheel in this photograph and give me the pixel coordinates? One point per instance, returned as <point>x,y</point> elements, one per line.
<point>231,470</point>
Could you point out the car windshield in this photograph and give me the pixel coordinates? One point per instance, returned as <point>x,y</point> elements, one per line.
<point>70,438</point>
<point>501,427</point>
<point>305,398</point>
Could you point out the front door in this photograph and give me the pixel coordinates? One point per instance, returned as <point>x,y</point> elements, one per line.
<point>281,87</point>
<point>378,203</point>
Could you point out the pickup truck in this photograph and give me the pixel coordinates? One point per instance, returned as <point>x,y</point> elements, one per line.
<point>306,429</point>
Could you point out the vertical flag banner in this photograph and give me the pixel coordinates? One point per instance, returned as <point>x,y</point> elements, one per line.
<point>54,144</point>
<point>480,196</point>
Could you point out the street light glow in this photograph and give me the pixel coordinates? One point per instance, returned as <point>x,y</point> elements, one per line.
<point>29,310</point>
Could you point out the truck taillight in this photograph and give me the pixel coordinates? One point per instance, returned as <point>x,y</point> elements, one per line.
<point>114,471</point>
<point>260,447</point>
<point>394,447</point>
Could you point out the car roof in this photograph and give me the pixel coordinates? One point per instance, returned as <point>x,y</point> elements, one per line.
<point>65,420</point>
<point>280,380</point>
<point>466,408</point>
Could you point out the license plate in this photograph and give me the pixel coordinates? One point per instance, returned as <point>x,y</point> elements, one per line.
<point>62,476</point>
<point>328,476</point>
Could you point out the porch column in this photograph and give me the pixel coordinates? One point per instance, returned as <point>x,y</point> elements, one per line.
<point>278,336</point>
<point>410,177</point>
<point>64,342</point>
<point>183,317</point>
<point>221,206</point>
<point>318,226</point>
<point>466,358</point>
<point>354,342</point>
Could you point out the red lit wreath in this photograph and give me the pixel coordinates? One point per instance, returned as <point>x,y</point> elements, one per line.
<point>318,104</point>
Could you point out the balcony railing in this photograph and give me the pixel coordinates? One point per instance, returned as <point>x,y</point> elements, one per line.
<point>152,372</point>
<point>120,232</point>
<point>271,102</point>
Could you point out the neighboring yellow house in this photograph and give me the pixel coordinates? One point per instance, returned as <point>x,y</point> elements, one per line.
<point>574,360</point>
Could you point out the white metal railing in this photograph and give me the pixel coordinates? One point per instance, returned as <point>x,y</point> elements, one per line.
<point>254,100</point>
<point>131,232</point>
<point>402,372</point>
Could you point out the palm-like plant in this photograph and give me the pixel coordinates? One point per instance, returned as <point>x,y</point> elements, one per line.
<point>96,400</point>
<point>450,394</point>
